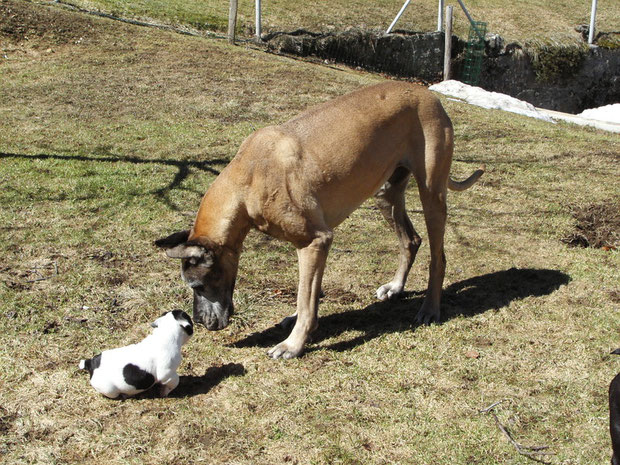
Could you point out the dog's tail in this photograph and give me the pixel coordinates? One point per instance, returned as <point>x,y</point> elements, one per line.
<point>470,181</point>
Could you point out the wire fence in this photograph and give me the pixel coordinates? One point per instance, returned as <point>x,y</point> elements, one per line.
<point>403,54</point>
<point>556,19</point>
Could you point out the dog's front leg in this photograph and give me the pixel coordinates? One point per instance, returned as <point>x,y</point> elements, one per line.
<point>311,266</point>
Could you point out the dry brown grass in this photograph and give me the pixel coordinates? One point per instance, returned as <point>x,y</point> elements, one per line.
<point>108,143</point>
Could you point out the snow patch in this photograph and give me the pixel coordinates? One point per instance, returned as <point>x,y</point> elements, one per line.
<point>606,118</point>
<point>485,99</point>
<point>609,113</point>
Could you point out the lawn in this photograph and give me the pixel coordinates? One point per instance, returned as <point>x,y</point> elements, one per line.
<point>551,20</point>
<point>109,136</point>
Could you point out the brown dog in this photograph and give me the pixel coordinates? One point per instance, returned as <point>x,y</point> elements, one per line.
<point>300,180</point>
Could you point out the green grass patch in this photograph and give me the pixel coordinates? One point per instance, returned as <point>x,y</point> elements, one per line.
<point>555,19</point>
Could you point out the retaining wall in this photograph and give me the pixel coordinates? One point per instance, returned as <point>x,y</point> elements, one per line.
<point>558,79</point>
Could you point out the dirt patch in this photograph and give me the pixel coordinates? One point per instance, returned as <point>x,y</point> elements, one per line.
<point>341,296</point>
<point>596,225</point>
<point>22,22</point>
<point>6,420</point>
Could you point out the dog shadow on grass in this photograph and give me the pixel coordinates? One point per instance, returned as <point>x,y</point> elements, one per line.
<point>190,385</point>
<point>465,298</point>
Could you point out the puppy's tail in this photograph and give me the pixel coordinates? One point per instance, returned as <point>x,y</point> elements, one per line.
<point>90,364</point>
<point>470,181</point>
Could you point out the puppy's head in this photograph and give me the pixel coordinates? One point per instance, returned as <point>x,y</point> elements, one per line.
<point>175,321</point>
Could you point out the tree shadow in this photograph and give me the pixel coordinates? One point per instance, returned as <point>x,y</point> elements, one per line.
<point>468,297</point>
<point>184,167</point>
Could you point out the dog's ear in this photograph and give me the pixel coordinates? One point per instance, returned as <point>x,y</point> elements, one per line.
<point>177,247</point>
<point>615,352</point>
<point>173,239</point>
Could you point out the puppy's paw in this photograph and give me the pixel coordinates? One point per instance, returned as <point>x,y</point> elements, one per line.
<point>165,390</point>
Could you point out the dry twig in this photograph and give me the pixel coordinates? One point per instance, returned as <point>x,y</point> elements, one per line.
<point>532,452</point>
<point>40,277</point>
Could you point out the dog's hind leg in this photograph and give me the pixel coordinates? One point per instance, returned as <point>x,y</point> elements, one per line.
<point>435,215</point>
<point>391,201</point>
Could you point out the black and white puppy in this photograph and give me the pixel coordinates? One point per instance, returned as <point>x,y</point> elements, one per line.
<point>614,416</point>
<point>129,370</point>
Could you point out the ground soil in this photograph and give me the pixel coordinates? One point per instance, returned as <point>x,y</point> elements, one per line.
<point>596,225</point>
<point>23,23</point>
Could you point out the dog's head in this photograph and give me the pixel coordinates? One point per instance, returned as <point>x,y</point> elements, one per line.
<point>176,320</point>
<point>211,274</point>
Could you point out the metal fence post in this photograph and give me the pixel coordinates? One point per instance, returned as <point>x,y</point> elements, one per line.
<point>440,16</point>
<point>447,54</point>
<point>592,22</point>
<point>258,20</point>
<point>400,13</point>
<point>232,21</point>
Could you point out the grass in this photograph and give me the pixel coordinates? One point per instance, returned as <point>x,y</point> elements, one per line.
<point>529,19</point>
<point>110,134</point>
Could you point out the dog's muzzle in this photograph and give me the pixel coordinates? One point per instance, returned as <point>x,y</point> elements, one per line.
<point>212,314</point>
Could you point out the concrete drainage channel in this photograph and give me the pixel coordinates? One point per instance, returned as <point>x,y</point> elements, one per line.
<point>565,78</point>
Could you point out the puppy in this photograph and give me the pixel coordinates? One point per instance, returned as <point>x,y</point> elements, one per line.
<point>614,416</point>
<point>129,370</point>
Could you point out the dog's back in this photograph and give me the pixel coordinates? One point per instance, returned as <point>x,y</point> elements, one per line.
<point>124,370</point>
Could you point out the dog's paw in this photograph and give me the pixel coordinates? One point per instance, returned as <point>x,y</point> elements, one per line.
<point>285,350</point>
<point>389,290</point>
<point>427,315</point>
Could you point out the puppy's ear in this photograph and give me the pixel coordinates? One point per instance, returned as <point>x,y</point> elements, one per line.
<point>189,329</point>
<point>177,247</point>
<point>615,352</point>
<point>184,321</point>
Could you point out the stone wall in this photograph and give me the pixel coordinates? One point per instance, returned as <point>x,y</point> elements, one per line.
<point>568,79</point>
<point>561,78</point>
<point>400,54</point>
